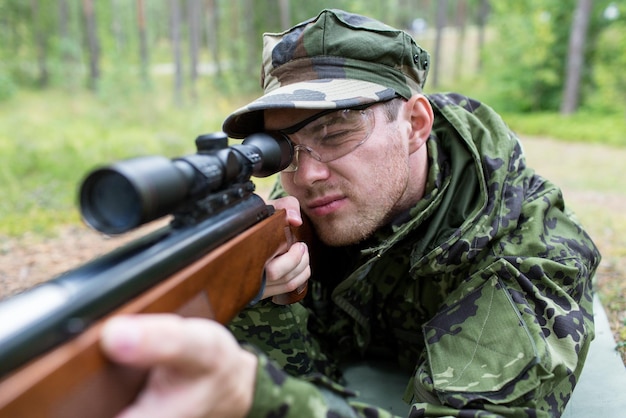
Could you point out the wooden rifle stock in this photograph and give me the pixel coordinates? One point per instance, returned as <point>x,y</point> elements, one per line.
<point>77,380</point>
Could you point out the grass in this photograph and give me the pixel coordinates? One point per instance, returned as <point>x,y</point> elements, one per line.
<point>587,127</point>
<point>50,140</point>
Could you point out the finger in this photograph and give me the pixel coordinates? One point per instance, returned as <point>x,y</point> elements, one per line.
<point>279,267</point>
<point>301,268</point>
<point>292,207</point>
<point>293,217</point>
<point>197,367</point>
<point>147,340</point>
<point>293,277</point>
<point>296,282</point>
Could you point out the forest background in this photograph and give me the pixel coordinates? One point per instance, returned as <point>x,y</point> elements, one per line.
<point>86,82</point>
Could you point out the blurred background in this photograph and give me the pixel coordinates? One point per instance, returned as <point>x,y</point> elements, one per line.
<point>87,82</point>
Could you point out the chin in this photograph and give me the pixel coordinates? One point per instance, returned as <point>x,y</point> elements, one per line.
<point>340,237</point>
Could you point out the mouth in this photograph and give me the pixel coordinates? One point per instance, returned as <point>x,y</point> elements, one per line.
<point>326,205</point>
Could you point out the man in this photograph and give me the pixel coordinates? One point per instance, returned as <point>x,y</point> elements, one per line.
<point>441,254</point>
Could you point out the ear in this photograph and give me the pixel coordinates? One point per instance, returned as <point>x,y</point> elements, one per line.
<point>419,113</point>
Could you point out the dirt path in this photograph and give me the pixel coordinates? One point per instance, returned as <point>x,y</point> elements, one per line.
<point>30,260</point>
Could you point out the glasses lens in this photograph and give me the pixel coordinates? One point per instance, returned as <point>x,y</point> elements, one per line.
<point>333,135</point>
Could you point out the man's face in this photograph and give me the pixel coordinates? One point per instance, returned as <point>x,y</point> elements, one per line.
<point>350,197</point>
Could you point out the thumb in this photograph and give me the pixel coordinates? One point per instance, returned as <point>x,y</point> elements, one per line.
<point>291,206</point>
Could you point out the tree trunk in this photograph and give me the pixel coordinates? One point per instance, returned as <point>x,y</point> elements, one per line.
<point>63,18</point>
<point>41,45</point>
<point>194,13</point>
<point>144,53</point>
<point>461,18</point>
<point>93,44</point>
<point>212,31</point>
<point>64,31</point>
<point>176,50</point>
<point>70,45</point>
<point>483,12</point>
<point>251,54</point>
<point>440,26</point>
<point>285,19</point>
<point>575,57</point>
<point>117,25</point>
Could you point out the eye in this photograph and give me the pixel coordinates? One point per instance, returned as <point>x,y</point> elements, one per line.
<point>336,136</point>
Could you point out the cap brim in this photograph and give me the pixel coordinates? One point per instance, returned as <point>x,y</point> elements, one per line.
<point>314,94</point>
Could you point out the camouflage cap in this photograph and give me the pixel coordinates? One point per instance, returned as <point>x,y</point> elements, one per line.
<point>335,60</point>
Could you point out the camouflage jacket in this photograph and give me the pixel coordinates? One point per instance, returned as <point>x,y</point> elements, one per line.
<point>481,293</point>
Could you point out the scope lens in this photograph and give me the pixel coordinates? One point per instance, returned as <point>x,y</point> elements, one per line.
<point>110,203</point>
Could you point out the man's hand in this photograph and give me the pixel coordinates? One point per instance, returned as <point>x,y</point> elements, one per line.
<point>290,270</point>
<point>197,369</point>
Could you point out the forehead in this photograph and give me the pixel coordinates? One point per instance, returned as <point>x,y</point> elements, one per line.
<point>277,119</point>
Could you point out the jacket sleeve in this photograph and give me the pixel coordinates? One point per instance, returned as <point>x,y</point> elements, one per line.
<point>292,379</point>
<point>278,394</point>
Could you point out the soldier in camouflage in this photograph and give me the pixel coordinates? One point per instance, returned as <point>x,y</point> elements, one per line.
<point>480,292</point>
<point>443,260</point>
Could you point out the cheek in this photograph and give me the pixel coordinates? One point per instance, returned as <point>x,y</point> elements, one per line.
<point>380,182</point>
<point>389,174</point>
<point>385,162</point>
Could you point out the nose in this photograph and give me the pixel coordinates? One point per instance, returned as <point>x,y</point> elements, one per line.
<point>310,169</point>
<point>298,149</point>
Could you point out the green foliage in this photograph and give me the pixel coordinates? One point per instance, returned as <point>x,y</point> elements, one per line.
<point>523,69</point>
<point>584,126</point>
<point>7,86</point>
<point>608,92</point>
<point>525,61</point>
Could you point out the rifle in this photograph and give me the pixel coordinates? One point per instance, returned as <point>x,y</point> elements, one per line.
<point>208,262</point>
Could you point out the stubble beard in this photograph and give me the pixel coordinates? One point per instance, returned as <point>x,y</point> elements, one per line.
<point>366,213</point>
<point>338,231</point>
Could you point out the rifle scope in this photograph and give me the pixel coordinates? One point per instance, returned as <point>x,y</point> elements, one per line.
<point>129,193</point>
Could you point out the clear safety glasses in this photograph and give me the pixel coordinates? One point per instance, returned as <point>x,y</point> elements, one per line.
<point>330,134</point>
